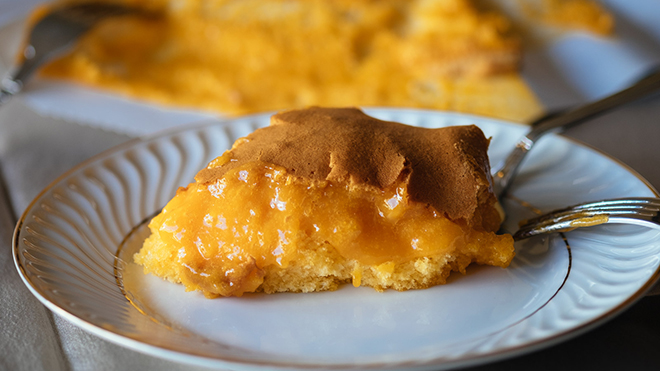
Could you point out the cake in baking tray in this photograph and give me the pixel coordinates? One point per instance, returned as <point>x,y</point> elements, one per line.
<point>231,56</point>
<point>326,196</point>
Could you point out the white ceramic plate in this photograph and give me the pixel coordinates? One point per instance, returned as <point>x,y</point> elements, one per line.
<point>66,246</point>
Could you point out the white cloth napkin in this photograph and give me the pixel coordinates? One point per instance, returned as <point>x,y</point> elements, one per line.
<point>20,313</point>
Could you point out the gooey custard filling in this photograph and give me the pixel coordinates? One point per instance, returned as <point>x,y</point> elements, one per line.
<point>225,237</point>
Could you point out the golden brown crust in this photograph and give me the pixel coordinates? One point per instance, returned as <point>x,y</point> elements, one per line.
<point>446,168</point>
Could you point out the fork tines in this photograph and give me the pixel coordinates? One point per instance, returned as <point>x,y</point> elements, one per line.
<point>636,205</point>
<point>638,210</point>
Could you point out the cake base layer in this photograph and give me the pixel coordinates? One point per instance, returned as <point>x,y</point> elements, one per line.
<point>322,268</point>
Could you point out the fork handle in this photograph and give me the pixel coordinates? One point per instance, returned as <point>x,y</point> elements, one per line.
<point>645,86</point>
<point>562,121</point>
<point>13,84</point>
<point>7,90</point>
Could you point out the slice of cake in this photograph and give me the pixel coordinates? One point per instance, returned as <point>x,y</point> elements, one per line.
<point>325,196</point>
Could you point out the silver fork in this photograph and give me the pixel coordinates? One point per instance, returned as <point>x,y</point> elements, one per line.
<point>643,211</point>
<point>56,33</point>
<point>504,173</point>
